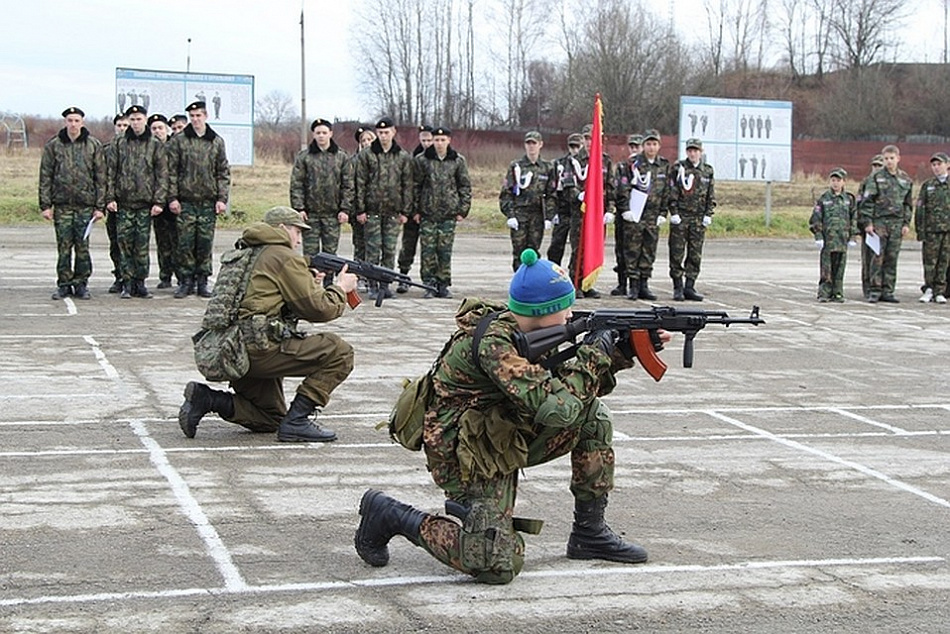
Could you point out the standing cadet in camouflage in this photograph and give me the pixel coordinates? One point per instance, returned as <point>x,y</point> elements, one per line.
<point>177,123</point>
<point>321,189</point>
<point>494,413</point>
<point>410,230</point>
<point>383,197</point>
<point>164,224</point>
<point>199,185</point>
<point>136,189</point>
<point>72,191</point>
<point>833,222</point>
<point>567,196</point>
<point>866,254</point>
<point>443,198</point>
<point>120,124</point>
<point>648,173</point>
<point>886,207</point>
<point>364,138</point>
<point>527,198</point>
<point>691,204</point>
<point>634,145</point>
<point>932,222</point>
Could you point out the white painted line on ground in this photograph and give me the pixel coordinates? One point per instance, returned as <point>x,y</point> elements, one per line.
<point>868,471</point>
<point>110,371</point>
<point>572,573</point>
<point>192,510</point>
<point>68,395</point>
<point>70,306</point>
<point>864,419</point>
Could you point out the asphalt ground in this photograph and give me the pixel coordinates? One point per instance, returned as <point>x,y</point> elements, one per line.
<point>797,478</point>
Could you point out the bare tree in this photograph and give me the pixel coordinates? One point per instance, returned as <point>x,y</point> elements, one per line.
<point>789,23</point>
<point>524,23</point>
<point>275,109</point>
<point>864,29</point>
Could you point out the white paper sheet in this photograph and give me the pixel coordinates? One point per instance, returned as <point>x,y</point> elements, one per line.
<point>638,201</point>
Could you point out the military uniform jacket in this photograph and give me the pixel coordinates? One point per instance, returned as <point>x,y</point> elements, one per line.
<point>443,188</point>
<point>653,178</point>
<point>834,220</point>
<point>933,207</point>
<point>384,181</point>
<point>566,187</point>
<point>886,196</point>
<point>528,187</point>
<point>137,171</point>
<point>321,182</point>
<point>607,174</point>
<point>73,172</point>
<point>692,192</point>
<point>198,168</point>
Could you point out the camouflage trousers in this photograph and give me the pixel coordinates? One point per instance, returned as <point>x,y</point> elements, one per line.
<point>936,260</point>
<point>115,254</point>
<point>324,235</point>
<point>166,243</point>
<point>620,256</point>
<point>559,237</point>
<point>410,238</point>
<point>528,235</point>
<point>381,233</point>
<point>486,545</point>
<point>638,243</point>
<point>195,239</point>
<point>686,248</point>
<point>831,273</point>
<point>73,262</point>
<point>436,237</point>
<point>359,240</point>
<point>882,270</point>
<point>866,256</point>
<point>133,233</point>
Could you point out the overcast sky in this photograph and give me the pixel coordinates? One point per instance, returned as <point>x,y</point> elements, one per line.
<point>56,53</point>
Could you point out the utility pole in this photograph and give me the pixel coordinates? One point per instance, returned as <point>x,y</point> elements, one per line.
<point>188,58</point>
<point>303,85</point>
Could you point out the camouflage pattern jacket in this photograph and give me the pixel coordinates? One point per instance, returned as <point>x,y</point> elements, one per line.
<point>566,187</point>
<point>692,193</point>
<point>610,198</point>
<point>653,178</point>
<point>886,196</point>
<point>383,181</point>
<point>834,220</point>
<point>198,170</point>
<point>528,186</point>
<point>321,182</point>
<point>933,208</point>
<point>137,171</point>
<point>73,172</point>
<point>443,188</point>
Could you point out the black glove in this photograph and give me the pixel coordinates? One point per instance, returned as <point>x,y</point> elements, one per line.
<point>604,340</point>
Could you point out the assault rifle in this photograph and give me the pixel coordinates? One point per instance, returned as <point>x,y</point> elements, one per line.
<point>635,331</point>
<point>381,275</point>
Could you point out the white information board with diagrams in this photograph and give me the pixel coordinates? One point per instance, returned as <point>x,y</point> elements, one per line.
<point>229,99</point>
<point>743,139</point>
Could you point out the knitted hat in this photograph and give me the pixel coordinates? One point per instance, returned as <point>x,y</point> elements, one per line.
<point>539,287</point>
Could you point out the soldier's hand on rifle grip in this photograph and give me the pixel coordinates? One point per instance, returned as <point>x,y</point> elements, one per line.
<point>605,340</point>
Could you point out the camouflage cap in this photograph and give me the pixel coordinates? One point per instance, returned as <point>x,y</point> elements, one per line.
<point>878,160</point>
<point>940,156</point>
<point>651,134</point>
<point>533,135</point>
<point>588,129</point>
<point>135,110</point>
<point>575,139</point>
<point>73,110</point>
<point>635,139</point>
<point>838,172</point>
<point>277,216</point>
<point>694,143</point>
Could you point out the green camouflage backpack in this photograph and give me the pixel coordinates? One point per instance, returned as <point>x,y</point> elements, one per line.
<point>220,351</point>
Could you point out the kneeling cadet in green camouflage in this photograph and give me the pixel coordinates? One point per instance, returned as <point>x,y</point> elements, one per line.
<point>494,413</point>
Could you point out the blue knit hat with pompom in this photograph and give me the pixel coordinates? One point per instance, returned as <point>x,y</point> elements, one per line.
<point>539,287</point>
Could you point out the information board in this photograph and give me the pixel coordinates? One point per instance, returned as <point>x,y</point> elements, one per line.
<point>229,99</point>
<point>744,140</point>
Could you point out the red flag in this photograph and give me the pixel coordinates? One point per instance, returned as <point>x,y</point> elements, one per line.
<point>590,260</point>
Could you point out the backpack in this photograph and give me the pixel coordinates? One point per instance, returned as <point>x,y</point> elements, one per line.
<point>220,351</point>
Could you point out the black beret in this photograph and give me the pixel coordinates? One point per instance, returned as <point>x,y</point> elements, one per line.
<point>359,132</point>
<point>178,117</point>
<point>157,117</point>
<point>116,118</point>
<point>425,128</point>
<point>323,122</point>
<point>441,131</point>
<point>73,110</point>
<point>195,105</point>
<point>135,110</point>
<point>385,122</point>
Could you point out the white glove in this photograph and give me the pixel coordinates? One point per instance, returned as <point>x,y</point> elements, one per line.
<point>675,219</point>
<point>660,220</point>
<point>512,224</point>
<point>580,195</point>
<point>707,220</point>
<point>548,225</point>
<point>852,243</point>
<point>608,218</point>
<point>556,220</point>
<point>820,243</point>
<point>629,216</point>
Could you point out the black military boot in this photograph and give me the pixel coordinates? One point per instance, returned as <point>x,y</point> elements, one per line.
<point>62,291</point>
<point>165,282</point>
<point>621,288</point>
<point>591,538</point>
<point>81,291</point>
<point>201,287</point>
<point>199,400</point>
<point>140,290</point>
<point>678,289</point>
<point>634,288</point>
<point>645,292</point>
<point>185,287</point>
<point>116,286</point>
<point>296,426</point>
<point>402,287</point>
<point>126,292</point>
<point>444,292</point>
<point>382,518</point>
<point>690,291</point>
